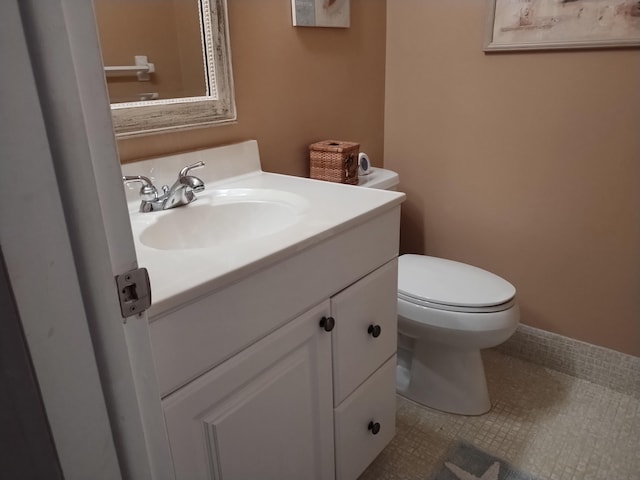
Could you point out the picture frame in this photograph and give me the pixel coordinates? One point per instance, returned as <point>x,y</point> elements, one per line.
<point>561,24</point>
<point>321,13</point>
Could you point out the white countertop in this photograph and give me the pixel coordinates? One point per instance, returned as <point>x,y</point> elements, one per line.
<point>180,276</point>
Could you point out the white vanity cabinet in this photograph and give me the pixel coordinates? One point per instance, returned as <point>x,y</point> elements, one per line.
<point>256,385</point>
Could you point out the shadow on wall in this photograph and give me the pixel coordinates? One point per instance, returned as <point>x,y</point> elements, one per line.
<point>412,238</point>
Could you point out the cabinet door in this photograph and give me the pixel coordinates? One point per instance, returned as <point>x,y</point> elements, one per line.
<point>365,333</point>
<point>264,414</point>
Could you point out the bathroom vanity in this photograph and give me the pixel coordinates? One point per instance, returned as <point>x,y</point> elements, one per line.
<point>275,352</point>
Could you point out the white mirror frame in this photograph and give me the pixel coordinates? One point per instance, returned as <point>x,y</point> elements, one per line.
<point>216,107</point>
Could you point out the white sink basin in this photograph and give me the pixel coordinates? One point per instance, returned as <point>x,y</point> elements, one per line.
<point>220,217</point>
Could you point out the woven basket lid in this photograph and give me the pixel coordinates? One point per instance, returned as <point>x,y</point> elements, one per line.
<point>337,146</point>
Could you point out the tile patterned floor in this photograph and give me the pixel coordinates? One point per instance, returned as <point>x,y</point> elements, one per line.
<point>543,422</point>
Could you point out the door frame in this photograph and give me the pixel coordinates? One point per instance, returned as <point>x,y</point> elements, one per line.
<point>64,228</point>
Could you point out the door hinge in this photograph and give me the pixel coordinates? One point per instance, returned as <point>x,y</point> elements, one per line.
<point>134,292</point>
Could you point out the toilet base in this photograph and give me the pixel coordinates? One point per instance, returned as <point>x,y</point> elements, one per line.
<point>444,378</point>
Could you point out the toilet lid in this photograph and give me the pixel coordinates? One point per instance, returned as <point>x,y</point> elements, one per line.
<point>445,282</point>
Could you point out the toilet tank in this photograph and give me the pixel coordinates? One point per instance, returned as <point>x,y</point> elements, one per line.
<point>380,178</point>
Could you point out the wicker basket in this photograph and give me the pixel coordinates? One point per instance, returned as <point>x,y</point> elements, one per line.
<point>335,161</point>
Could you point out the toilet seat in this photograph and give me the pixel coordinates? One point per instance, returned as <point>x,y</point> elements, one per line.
<point>441,284</point>
<point>456,308</point>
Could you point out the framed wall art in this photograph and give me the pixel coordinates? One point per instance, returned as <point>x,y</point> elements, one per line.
<point>562,24</point>
<point>320,13</point>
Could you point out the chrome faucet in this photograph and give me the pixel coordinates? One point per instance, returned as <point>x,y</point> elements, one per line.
<point>180,193</point>
<point>149,200</point>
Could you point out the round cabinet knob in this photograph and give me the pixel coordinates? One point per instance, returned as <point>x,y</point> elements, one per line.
<point>374,330</point>
<point>327,323</point>
<point>374,427</point>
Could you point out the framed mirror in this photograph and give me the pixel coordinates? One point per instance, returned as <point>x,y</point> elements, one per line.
<point>167,64</point>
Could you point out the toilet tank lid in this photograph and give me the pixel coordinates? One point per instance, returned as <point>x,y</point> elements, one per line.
<point>446,282</point>
<point>380,178</point>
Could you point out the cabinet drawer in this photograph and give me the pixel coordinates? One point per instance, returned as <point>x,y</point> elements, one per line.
<point>365,333</point>
<point>373,402</point>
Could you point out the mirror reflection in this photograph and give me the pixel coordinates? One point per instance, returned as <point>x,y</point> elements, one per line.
<point>167,32</point>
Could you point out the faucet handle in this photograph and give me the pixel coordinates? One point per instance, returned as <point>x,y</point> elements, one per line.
<point>148,192</point>
<point>185,171</point>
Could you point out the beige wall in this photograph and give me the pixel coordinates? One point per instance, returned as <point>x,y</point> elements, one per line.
<point>294,86</point>
<point>526,164</point>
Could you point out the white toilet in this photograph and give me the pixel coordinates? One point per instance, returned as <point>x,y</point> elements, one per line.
<point>447,312</point>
